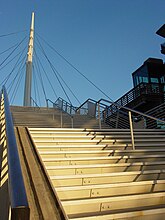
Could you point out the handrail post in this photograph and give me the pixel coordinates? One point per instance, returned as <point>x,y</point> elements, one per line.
<point>117,119</point>
<point>72,121</point>
<point>62,105</point>
<point>99,115</point>
<point>61,118</point>
<point>131,130</point>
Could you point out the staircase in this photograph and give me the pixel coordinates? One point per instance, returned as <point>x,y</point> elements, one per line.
<point>51,117</point>
<point>97,175</point>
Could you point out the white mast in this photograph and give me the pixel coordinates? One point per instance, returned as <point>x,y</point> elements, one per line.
<point>28,78</point>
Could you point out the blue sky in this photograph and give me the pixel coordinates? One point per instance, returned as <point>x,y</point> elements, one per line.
<point>105,39</point>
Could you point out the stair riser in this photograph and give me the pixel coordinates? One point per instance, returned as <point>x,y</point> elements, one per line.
<point>103,160</point>
<point>78,171</point>
<point>107,192</point>
<point>106,180</point>
<point>111,206</point>
<point>97,148</point>
<point>98,161</point>
<point>86,191</point>
<point>152,214</point>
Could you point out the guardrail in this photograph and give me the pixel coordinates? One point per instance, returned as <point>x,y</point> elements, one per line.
<point>17,194</point>
<point>113,114</point>
<point>141,89</point>
<point>118,116</point>
<point>64,107</point>
<point>158,112</point>
<point>34,104</point>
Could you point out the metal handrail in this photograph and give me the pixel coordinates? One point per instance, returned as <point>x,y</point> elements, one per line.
<point>141,88</point>
<point>119,106</point>
<point>92,100</point>
<point>131,110</point>
<point>48,100</point>
<point>62,110</point>
<point>65,105</point>
<point>18,197</point>
<point>34,102</point>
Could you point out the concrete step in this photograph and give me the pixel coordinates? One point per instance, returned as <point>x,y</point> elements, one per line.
<point>104,168</point>
<point>107,178</point>
<point>111,204</point>
<point>107,190</point>
<point>97,174</point>
<point>75,147</point>
<point>98,160</point>
<point>101,151</point>
<point>48,159</point>
<point>148,214</point>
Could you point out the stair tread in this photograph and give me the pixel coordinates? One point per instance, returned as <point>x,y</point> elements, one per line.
<point>112,185</point>
<point>104,158</point>
<point>99,151</point>
<point>124,215</point>
<point>106,165</point>
<point>107,174</point>
<point>111,199</point>
<point>109,179</point>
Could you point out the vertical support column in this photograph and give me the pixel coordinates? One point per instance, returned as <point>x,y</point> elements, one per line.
<point>28,78</point>
<point>61,118</point>
<point>99,115</point>
<point>131,129</point>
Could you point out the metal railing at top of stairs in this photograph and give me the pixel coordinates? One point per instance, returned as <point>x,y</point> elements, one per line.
<point>141,89</point>
<point>117,116</point>
<point>17,194</point>
<point>111,113</point>
<point>158,112</point>
<point>63,106</point>
<point>34,104</point>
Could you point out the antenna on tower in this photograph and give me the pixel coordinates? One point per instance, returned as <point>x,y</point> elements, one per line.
<point>28,78</point>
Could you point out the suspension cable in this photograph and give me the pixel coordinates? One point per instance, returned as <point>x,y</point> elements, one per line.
<point>12,52</point>
<point>12,59</point>
<point>16,64</point>
<point>13,33</point>
<point>22,65</point>
<point>37,91</point>
<point>66,85</point>
<point>34,86</point>
<point>40,78</point>
<point>16,87</point>
<point>54,71</point>
<point>8,49</point>
<point>40,63</point>
<point>70,64</point>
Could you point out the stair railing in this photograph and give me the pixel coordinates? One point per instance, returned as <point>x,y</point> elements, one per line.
<point>116,116</point>
<point>17,194</point>
<point>88,108</point>
<point>34,104</point>
<point>141,89</point>
<point>158,112</point>
<point>125,109</point>
<point>64,107</point>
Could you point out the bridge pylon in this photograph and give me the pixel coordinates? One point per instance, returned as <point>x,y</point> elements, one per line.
<point>28,77</point>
